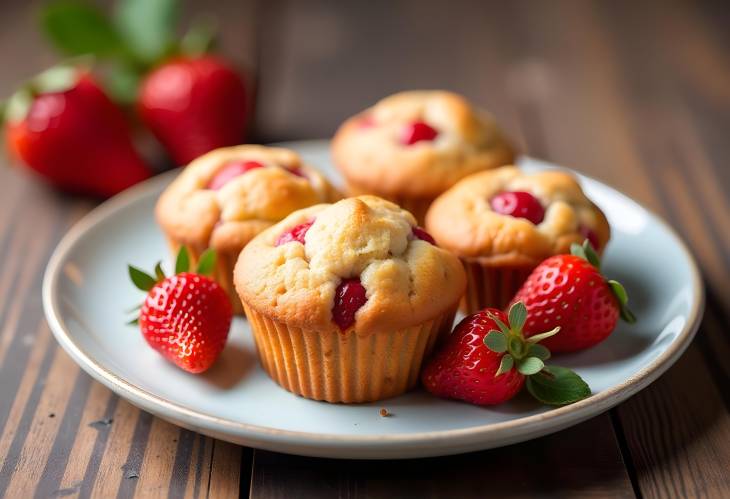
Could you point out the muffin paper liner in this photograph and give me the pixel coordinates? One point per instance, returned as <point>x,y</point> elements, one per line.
<point>491,286</point>
<point>222,273</point>
<point>344,367</point>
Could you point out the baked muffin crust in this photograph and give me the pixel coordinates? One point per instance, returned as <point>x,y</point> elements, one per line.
<point>407,280</point>
<point>368,147</point>
<point>463,221</point>
<point>226,219</point>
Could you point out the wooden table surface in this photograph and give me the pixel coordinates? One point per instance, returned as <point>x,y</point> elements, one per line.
<point>636,94</point>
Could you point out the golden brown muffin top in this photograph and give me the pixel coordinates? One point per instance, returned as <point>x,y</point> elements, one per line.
<point>371,148</point>
<point>407,280</point>
<point>462,219</point>
<point>195,211</point>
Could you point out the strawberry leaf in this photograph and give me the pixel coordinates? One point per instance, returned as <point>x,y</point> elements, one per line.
<point>557,386</point>
<point>122,80</point>
<point>586,252</point>
<point>496,341</point>
<point>578,250</point>
<point>619,291</point>
<point>56,79</point>
<point>623,300</point>
<point>539,337</point>
<point>159,273</point>
<point>539,351</point>
<point>182,263</point>
<point>133,322</point>
<point>200,38</point>
<point>142,280</point>
<point>591,254</point>
<point>206,262</point>
<point>78,28</point>
<point>501,325</point>
<point>517,316</point>
<point>505,365</point>
<point>18,106</point>
<point>147,26</point>
<point>529,366</point>
<point>136,308</point>
<point>627,315</point>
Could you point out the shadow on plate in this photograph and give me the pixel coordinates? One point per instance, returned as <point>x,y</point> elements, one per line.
<point>234,364</point>
<point>624,343</point>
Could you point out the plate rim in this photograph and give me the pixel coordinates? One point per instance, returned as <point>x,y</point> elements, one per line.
<point>522,428</point>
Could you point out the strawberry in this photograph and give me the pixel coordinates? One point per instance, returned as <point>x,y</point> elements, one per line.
<point>185,317</point>
<point>194,105</point>
<point>487,361</point>
<point>569,291</point>
<point>65,128</point>
<point>192,102</point>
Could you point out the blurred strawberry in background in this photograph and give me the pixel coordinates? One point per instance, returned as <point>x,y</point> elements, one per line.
<point>194,105</point>
<point>63,126</point>
<point>78,138</point>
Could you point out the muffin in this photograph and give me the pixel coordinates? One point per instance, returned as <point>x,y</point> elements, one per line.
<point>224,198</point>
<point>502,223</point>
<point>412,146</point>
<point>346,299</point>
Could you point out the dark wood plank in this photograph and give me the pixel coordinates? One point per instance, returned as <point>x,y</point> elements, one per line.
<point>675,429</point>
<point>677,433</point>
<point>61,434</point>
<point>544,467</point>
<point>323,61</point>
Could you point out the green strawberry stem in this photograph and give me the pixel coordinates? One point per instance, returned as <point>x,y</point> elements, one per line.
<point>551,385</point>
<point>146,281</point>
<point>586,252</point>
<point>517,350</point>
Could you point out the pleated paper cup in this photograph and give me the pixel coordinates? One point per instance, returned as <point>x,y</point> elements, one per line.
<point>491,286</point>
<point>225,261</point>
<point>344,367</point>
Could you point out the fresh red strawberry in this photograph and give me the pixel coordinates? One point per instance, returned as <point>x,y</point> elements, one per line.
<point>185,317</point>
<point>64,127</point>
<point>569,291</point>
<point>486,361</point>
<point>466,369</point>
<point>194,105</point>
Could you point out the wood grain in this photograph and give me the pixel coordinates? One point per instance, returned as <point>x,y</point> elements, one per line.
<point>635,94</point>
<point>516,471</point>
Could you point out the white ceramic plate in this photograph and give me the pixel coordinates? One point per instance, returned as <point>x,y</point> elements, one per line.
<point>86,292</point>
